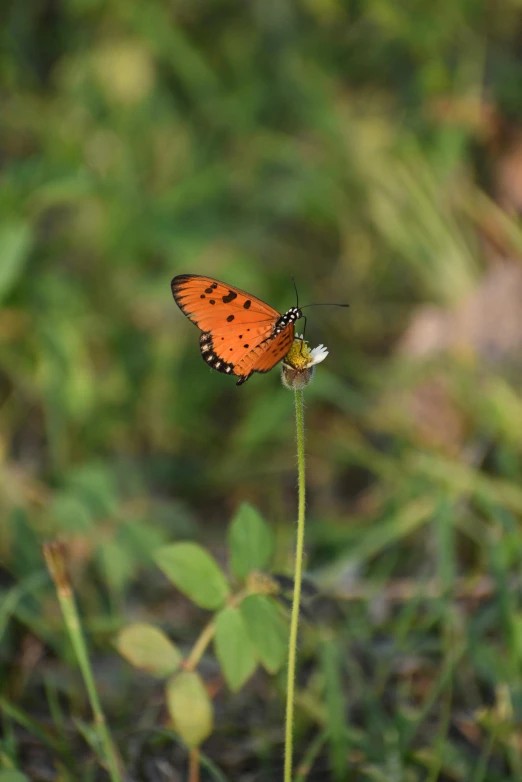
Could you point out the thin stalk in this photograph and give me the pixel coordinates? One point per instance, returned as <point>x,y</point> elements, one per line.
<point>55,560</point>
<point>208,633</point>
<point>199,648</point>
<point>298,570</point>
<point>194,765</point>
<point>31,725</point>
<point>310,756</point>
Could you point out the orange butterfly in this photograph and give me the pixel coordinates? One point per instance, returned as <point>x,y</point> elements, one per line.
<point>240,333</point>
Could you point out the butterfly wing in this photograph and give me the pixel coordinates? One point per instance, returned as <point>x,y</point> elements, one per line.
<point>265,356</point>
<point>210,304</point>
<point>237,328</point>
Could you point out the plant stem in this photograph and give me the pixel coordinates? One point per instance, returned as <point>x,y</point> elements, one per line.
<point>198,650</point>
<point>298,567</point>
<point>208,633</point>
<point>314,748</point>
<point>194,765</point>
<point>55,559</point>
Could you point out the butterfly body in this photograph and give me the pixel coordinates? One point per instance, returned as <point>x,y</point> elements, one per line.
<point>241,334</point>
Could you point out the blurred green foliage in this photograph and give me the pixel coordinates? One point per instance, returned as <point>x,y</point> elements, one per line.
<point>369,149</point>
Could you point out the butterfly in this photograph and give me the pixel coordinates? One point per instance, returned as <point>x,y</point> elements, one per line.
<point>240,334</point>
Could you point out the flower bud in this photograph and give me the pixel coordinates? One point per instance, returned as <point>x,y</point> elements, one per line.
<point>299,363</point>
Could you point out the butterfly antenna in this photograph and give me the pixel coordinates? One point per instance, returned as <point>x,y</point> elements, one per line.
<point>325,304</point>
<point>296,292</point>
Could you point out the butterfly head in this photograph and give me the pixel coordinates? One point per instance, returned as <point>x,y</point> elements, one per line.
<point>293,314</point>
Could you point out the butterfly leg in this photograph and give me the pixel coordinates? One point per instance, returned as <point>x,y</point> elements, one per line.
<point>304,332</point>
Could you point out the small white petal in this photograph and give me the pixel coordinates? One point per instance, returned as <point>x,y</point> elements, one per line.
<point>318,354</point>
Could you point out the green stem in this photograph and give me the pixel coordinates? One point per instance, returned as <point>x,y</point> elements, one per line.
<point>72,621</point>
<point>198,650</point>
<point>208,633</point>
<point>55,559</point>
<point>294,622</point>
<point>311,754</point>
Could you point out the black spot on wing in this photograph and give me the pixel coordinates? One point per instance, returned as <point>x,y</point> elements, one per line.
<point>247,304</point>
<point>230,318</point>
<point>208,290</point>
<point>229,297</point>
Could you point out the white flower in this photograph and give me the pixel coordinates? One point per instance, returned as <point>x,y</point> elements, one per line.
<point>318,354</point>
<point>298,364</point>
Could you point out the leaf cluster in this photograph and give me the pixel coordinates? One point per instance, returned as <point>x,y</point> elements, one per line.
<point>247,627</point>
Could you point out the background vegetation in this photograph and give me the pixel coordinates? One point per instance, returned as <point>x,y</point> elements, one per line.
<point>374,150</point>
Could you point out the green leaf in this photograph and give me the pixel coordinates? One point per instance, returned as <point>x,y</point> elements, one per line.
<point>267,630</point>
<point>250,542</point>
<point>195,573</point>
<point>189,707</point>
<point>144,646</point>
<point>234,648</point>
<point>15,243</point>
<point>13,776</point>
